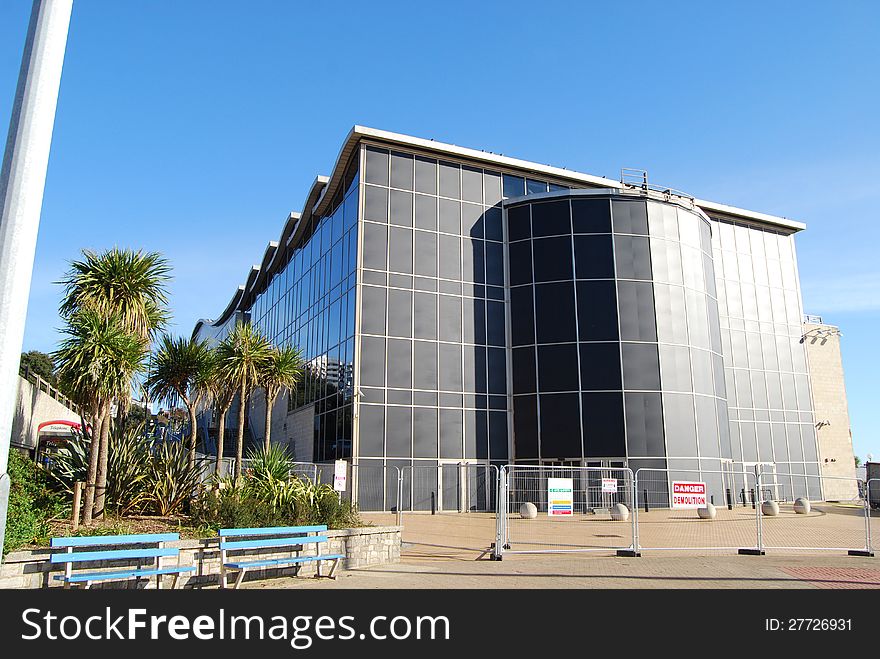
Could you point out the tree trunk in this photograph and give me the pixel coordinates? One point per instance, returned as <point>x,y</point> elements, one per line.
<point>193,433</point>
<point>101,481</point>
<point>270,402</point>
<point>221,435</point>
<point>239,446</point>
<point>91,476</point>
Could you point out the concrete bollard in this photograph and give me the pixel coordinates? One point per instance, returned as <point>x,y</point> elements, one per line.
<point>707,513</point>
<point>619,512</point>
<point>770,508</point>
<point>802,506</point>
<point>528,511</point>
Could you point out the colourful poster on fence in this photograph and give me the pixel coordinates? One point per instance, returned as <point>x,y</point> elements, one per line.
<point>688,494</point>
<point>560,496</point>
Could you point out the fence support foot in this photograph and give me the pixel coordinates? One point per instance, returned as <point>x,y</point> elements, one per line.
<point>493,557</point>
<point>860,552</point>
<point>751,552</point>
<point>629,553</point>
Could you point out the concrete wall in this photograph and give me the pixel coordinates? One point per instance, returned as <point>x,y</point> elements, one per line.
<point>34,405</point>
<point>829,402</point>
<point>375,545</point>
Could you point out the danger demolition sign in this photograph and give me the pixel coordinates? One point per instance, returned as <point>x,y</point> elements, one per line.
<point>688,494</point>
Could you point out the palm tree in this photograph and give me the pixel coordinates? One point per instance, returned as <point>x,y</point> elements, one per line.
<point>98,360</point>
<point>180,372</point>
<point>282,370</point>
<point>121,282</point>
<point>223,392</point>
<point>129,286</point>
<point>241,357</point>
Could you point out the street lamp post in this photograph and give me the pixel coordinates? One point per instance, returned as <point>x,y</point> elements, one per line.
<point>22,181</point>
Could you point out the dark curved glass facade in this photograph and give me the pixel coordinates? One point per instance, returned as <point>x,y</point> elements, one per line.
<point>615,335</point>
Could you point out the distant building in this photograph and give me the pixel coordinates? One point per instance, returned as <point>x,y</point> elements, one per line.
<point>836,457</point>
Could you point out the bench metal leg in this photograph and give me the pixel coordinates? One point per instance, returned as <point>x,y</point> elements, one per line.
<point>239,578</point>
<point>318,575</point>
<point>87,585</point>
<point>222,576</point>
<point>174,581</point>
<point>333,569</point>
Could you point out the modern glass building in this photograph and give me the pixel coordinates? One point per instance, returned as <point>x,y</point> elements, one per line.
<point>455,305</point>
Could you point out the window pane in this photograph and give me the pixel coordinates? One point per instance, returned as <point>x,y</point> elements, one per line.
<point>372,366</point>
<point>644,425</point>
<point>522,316</point>
<point>557,367</point>
<point>552,258</point>
<point>399,312</point>
<point>399,363</point>
<point>426,253</point>
<point>492,187</point>
<point>560,426</point>
<point>554,312</point>
<point>591,215</point>
<point>597,310</point>
<point>400,250</point>
<point>641,366</point>
<point>514,186</point>
<point>520,262</point>
<point>425,373</point>
<point>424,432</point>
<point>373,310</point>
<point>426,212</point>
<point>450,367</point>
<point>493,225</point>
<point>600,366</point>
<point>375,204</point>
<point>401,208</point>
<point>594,257</point>
<point>551,218</point>
<point>450,318</point>
<point>377,166</point>
<point>525,426</point>
<point>398,435</point>
<point>450,257</point>
<point>524,380</point>
<point>450,216</point>
<point>425,316</point>
<point>372,430</point>
<point>426,175</point>
<point>472,184</point>
<point>450,180</point>
<point>630,217</point>
<point>401,171</point>
<point>633,257</point>
<point>518,222</point>
<point>637,319</point>
<point>603,424</point>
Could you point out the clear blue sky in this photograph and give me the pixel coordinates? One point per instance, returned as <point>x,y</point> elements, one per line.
<point>195,127</point>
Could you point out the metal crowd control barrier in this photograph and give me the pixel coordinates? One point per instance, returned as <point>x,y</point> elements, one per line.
<point>667,519</point>
<point>589,510</point>
<point>827,513</point>
<point>872,512</point>
<point>463,493</point>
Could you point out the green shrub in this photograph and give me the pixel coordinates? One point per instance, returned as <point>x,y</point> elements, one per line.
<point>267,495</point>
<point>142,477</point>
<point>32,504</point>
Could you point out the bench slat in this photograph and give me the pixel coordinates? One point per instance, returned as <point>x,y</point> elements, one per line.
<point>103,576</point>
<point>281,561</point>
<point>92,540</point>
<point>112,555</point>
<point>272,542</point>
<point>272,530</point>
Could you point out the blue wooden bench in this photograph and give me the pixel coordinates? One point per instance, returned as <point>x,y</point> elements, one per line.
<point>241,542</point>
<point>146,548</point>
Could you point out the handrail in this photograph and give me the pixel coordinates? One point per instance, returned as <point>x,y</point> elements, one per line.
<point>34,378</point>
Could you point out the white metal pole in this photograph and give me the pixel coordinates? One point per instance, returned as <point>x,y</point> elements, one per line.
<point>22,181</point>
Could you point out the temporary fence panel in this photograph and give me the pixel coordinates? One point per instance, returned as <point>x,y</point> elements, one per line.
<point>872,499</point>
<point>304,470</point>
<point>449,506</point>
<point>669,501</point>
<point>841,524</point>
<point>546,509</point>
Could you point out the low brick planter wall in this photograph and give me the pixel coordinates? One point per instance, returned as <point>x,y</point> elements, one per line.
<point>372,545</point>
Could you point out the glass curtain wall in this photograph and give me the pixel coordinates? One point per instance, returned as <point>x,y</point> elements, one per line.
<point>768,385</point>
<point>310,304</point>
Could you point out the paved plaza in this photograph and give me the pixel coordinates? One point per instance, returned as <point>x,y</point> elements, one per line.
<point>452,551</point>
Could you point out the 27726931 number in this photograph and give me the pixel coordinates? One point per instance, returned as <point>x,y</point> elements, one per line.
<point>808,624</point>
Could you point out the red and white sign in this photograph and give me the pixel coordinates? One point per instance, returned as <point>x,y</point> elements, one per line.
<point>688,494</point>
<point>340,473</point>
<point>609,486</point>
